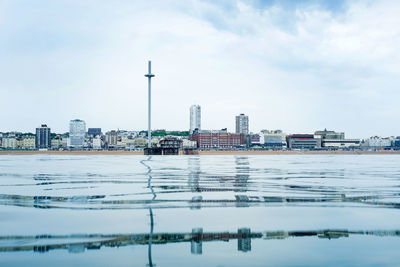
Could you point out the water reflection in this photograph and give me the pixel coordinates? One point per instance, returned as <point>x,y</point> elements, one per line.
<point>149,185</point>
<point>199,182</point>
<point>79,243</point>
<point>242,174</point>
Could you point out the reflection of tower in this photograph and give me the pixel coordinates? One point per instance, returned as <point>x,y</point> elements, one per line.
<point>197,243</point>
<point>244,239</point>
<point>150,210</point>
<point>193,181</point>
<point>242,174</point>
<point>194,173</point>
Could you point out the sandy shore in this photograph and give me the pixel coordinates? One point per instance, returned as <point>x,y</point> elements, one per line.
<point>383,152</point>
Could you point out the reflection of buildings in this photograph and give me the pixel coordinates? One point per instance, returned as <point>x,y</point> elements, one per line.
<point>193,181</point>
<point>196,243</point>
<point>81,242</point>
<point>242,174</point>
<point>194,173</point>
<point>244,239</point>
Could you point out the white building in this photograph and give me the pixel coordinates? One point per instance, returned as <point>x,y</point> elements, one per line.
<point>273,138</point>
<point>195,118</point>
<point>378,142</point>
<point>9,142</point>
<point>28,142</point>
<point>97,142</point>
<point>77,132</point>
<point>242,124</point>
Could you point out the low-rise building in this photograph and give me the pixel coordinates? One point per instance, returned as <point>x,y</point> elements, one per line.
<point>27,142</point>
<point>377,142</point>
<point>216,139</point>
<point>303,141</point>
<point>341,143</point>
<point>273,139</point>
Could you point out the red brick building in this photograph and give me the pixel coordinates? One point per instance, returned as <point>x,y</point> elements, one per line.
<point>217,139</point>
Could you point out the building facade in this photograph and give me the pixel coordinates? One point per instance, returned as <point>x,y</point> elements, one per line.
<point>77,132</point>
<point>195,118</point>
<point>43,137</point>
<point>377,142</point>
<point>94,132</point>
<point>9,142</point>
<point>325,134</point>
<point>242,124</point>
<point>28,142</point>
<point>216,139</point>
<point>303,141</point>
<point>274,139</point>
<point>112,139</point>
<point>341,143</point>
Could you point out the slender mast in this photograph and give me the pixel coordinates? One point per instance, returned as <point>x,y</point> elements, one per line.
<point>149,76</point>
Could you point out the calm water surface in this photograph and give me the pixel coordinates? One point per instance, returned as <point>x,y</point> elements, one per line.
<point>307,210</point>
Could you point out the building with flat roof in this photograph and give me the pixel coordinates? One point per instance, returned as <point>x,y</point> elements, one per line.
<point>77,133</point>
<point>242,124</point>
<point>303,141</point>
<point>195,118</point>
<point>219,139</point>
<point>43,137</point>
<point>273,139</point>
<point>341,143</point>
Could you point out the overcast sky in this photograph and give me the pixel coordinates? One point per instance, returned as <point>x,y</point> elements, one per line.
<point>298,66</point>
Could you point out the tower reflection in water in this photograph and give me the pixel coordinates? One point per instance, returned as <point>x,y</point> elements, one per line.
<point>150,209</point>
<point>194,181</point>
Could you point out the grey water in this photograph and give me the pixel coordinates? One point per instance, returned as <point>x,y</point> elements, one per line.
<point>275,210</point>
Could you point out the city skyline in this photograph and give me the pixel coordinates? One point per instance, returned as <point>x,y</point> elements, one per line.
<point>294,66</point>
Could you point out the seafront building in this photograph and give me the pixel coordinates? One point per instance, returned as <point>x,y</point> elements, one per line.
<point>303,141</point>
<point>216,139</point>
<point>242,124</point>
<point>195,118</point>
<point>274,139</point>
<point>377,143</point>
<point>336,140</point>
<point>77,132</point>
<point>43,137</point>
<point>112,139</point>
<point>27,142</point>
<point>9,142</point>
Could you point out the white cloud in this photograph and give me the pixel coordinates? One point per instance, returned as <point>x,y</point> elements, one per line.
<point>298,70</point>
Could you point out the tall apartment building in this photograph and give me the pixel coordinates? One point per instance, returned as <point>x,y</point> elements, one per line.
<point>242,124</point>
<point>195,118</point>
<point>43,138</point>
<point>77,132</point>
